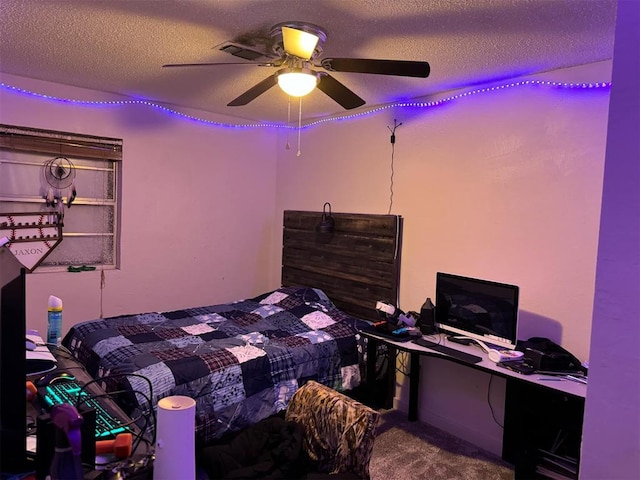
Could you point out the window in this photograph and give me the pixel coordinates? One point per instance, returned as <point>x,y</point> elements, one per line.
<point>90,231</point>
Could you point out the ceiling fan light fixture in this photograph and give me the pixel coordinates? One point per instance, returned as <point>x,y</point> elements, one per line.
<point>298,42</point>
<point>297,82</point>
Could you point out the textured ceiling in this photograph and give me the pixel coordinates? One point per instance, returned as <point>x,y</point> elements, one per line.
<point>119,46</point>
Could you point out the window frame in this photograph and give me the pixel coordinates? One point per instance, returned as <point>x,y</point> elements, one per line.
<point>40,142</point>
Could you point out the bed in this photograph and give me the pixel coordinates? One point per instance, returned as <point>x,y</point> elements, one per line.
<point>242,361</point>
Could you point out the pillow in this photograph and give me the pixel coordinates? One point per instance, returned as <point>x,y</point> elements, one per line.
<point>296,295</point>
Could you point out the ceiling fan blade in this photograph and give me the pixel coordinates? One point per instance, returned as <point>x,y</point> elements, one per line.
<point>254,91</point>
<point>338,92</point>
<point>170,65</point>
<point>402,68</point>
<point>298,42</point>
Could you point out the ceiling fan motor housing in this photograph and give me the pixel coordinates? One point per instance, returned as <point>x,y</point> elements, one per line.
<point>278,44</point>
<point>298,47</point>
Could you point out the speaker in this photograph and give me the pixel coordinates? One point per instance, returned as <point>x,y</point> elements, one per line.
<point>427,318</point>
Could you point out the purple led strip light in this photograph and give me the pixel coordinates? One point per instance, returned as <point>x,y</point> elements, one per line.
<point>403,104</point>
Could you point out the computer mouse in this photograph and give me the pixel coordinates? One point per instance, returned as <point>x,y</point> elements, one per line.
<point>31,346</point>
<point>54,377</point>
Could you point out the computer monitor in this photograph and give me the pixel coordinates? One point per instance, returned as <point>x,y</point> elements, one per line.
<point>480,309</point>
<point>13,394</point>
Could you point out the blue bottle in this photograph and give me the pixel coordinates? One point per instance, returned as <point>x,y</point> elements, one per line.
<point>54,320</point>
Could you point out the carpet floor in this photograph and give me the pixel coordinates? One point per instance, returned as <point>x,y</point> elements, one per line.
<point>407,450</point>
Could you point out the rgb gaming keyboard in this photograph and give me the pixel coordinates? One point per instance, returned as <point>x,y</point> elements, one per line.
<point>70,391</point>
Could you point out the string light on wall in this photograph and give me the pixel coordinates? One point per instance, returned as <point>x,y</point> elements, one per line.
<point>576,87</point>
<point>436,103</point>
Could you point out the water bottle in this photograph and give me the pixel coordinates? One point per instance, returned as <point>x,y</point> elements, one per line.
<point>54,320</point>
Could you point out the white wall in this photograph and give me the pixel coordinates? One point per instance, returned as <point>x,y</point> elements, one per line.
<point>611,434</point>
<point>504,185</point>
<point>198,214</point>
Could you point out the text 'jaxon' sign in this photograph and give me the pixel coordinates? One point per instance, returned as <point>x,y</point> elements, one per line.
<point>31,235</point>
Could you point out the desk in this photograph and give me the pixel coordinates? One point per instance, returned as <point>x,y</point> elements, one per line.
<point>43,440</point>
<point>536,407</point>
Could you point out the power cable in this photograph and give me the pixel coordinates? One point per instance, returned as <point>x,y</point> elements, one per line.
<point>393,149</point>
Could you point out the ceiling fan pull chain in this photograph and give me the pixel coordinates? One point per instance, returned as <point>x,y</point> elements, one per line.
<point>287,146</point>
<point>299,125</point>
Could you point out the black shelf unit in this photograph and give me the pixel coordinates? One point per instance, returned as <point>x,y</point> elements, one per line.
<point>542,431</point>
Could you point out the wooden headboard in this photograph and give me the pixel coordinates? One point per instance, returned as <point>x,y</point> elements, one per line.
<point>356,265</point>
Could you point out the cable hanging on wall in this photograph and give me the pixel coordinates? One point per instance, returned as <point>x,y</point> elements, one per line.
<point>393,148</point>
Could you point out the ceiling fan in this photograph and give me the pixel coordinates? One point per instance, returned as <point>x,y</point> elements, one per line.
<point>296,48</point>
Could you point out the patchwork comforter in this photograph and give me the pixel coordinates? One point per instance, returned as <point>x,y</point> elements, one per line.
<point>241,361</point>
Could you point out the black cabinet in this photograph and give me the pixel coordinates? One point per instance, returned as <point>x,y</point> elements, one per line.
<point>542,431</point>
